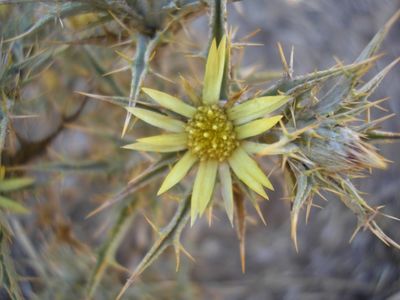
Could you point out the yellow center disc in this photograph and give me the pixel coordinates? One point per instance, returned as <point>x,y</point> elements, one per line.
<point>211,135</point>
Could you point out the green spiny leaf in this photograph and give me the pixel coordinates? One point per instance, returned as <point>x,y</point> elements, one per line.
<point>107,251</point>
<point>29,65</point>
<point>12,205</point>
<point>117,100</point>
<point>369,87</point>
<point>144,47</point>
<point>304,82</point>
<point>146,177</point>
<point>169,235</point>
<point>59,11</point>
<point>95,63</point>
<point>303,190</point>
<point>13,184</point>
<point>373,46</point>
<point>343,87</point>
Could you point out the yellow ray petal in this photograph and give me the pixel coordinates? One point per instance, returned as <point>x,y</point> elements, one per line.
<point>253,147</point>
<point>172,139</point>
<point>251,167</point>
<point>157,120</point>
<point>170,102</point>
<point>255,108</point>
<point>177,173</point>
<point>210,175</point>
<point>214,72</point>
<point>203,187</point>
<point>256,127</point>
<point>243,175</point>
<point>155,148</point>
<point>225,179</point>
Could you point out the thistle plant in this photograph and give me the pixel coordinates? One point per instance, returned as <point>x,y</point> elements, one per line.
<point>335,112</point>
<point>221,138</point>
<point>213,135</point>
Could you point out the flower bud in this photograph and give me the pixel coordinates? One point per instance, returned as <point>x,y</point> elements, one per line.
<point>341,149</point>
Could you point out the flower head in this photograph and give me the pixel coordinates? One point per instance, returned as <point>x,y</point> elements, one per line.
<point>213,135</point>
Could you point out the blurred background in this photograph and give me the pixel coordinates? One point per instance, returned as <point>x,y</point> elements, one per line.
<point>82,165</point>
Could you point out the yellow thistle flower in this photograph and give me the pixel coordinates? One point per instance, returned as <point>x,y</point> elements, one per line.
<point>213,135</point>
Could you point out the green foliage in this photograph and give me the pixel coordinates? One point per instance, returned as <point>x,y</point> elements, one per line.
<point>66,55</point>
<point>8,276</point>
